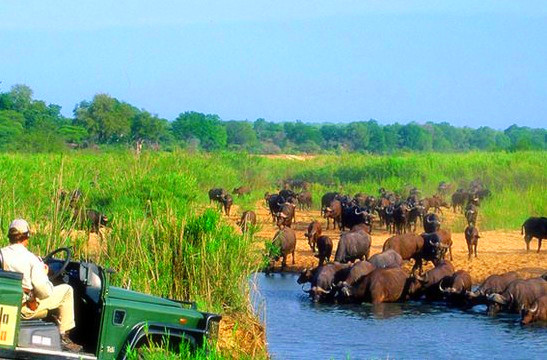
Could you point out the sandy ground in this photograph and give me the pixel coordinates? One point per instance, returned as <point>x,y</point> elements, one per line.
<point>498,251</point>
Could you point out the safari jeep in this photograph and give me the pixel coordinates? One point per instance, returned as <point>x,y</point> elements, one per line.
<point>110,321</point>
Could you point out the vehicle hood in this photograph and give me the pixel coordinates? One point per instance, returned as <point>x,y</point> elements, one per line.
<point>129,295</point>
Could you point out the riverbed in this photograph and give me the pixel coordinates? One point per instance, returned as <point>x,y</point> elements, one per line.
<point>296,328</point>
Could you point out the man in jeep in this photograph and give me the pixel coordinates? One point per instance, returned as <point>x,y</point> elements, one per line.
<point>40,296</point>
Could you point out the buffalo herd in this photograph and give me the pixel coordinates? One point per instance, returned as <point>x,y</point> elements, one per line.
<point>352,275</point>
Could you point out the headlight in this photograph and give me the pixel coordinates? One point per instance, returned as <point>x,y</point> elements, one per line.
<point>212,331</point>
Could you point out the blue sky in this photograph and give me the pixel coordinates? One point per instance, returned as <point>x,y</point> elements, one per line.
<point>471,63</point>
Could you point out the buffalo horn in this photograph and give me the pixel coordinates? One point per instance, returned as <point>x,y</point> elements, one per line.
<point>321,290</point>
<point>497,298</point>
<point>535,308</point>
<point>358,212</point>
<point>441,287</point>
<point>328,209</point>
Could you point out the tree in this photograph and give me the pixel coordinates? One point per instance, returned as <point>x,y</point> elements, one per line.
<point>241,134</point>
<point>358,135</point>
<point>148,127</point>
<point>415,137</point>
<point>106,119</point>
<point>11,127</point>
<point>206,128</point>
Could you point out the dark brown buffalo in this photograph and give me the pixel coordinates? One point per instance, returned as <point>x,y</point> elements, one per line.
<point>356,272</point>
<point>400,215</point>
<point>324,249</point>
<point>493,284</point>
<point>242,190</point>
<point>323,280</point>
<point>74,199</point>
<point>537,312</point>
<point>415,213</point>
<point>428,284</point>
<point>313,233</point>
<point>534,227</point>
<point>446,239</point>
<point>432,223</point>
<point>435,202</point>
<point>444,188</point>
<point>227,202</point>
<point>409,246</point>
<point>285,216</point>
<point>387,259</point>
<point>471,213</point>
<point>406,245</point>
<point>248,218</point>
<point>306,275</point>
<point>91,219</point>
<point>304,200</point>
<point>353,245</point>
<point>518,294</point>
<point>472,238</point>
<point>456,287</point>
<point>458,199</point>
<point>283,244</point>
<point>326,201</point>
<point>334,212</point>
<point>275,202</point>
<point>381,285</point>
<point>216,194</point>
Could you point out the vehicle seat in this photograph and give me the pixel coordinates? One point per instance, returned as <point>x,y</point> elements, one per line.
<point>89,276</point>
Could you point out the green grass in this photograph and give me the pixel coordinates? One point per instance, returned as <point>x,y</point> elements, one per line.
<point>164,242</point>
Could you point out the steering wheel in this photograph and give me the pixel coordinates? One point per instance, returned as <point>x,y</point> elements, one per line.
<point>65,263</point>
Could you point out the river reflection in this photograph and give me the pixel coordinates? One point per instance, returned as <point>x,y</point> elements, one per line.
<point>299,329</point>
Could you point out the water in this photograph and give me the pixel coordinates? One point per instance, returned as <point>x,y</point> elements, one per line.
<point>298,329</point>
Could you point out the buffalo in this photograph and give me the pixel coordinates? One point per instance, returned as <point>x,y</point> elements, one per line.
<point>304,200</point>
<point>472,238</point>
<point>456,286</point>
<point>435,202</point>
<point>313,233</point>
<point>323,279</point>
<point>356,272</point>
<point>242,190</point>
<point>496,283</point>
<point>534,227</point>
<point>216,194</point>
<point>353,245</point>
<point>275,202</point>
<point>353,215</point>
<point>459,198</point>
<point>248,218</point>
<point>334,212</point>
<point>381,285</point>
<point>326,201</point>
<point>285,216</point>
<point>387,259</point>
<point>227,202</point>
<point>400,214</point>
<point>324,249</point>
<point>536,312</point>
<point>518,294</point>
<point>91,218</point>
<point>283,244</point>
<point>428,284</point>
<point>416,212</point>
<point>471,213</point>
<point>432,223</point>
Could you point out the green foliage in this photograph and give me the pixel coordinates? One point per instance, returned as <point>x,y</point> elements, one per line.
<point>205,128</point>
<point>106,120</point>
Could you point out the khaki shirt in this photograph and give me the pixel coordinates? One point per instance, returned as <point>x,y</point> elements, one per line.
<point>17,258</point>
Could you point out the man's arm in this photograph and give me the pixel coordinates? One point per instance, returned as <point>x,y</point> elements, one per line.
<point>40,282</point>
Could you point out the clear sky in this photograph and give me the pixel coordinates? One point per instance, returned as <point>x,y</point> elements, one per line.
<point>468,62</point>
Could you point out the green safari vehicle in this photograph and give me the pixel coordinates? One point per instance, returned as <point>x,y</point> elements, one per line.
<point>110,321</point>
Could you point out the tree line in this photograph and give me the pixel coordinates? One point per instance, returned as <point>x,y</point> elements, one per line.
<point>27,124</point>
